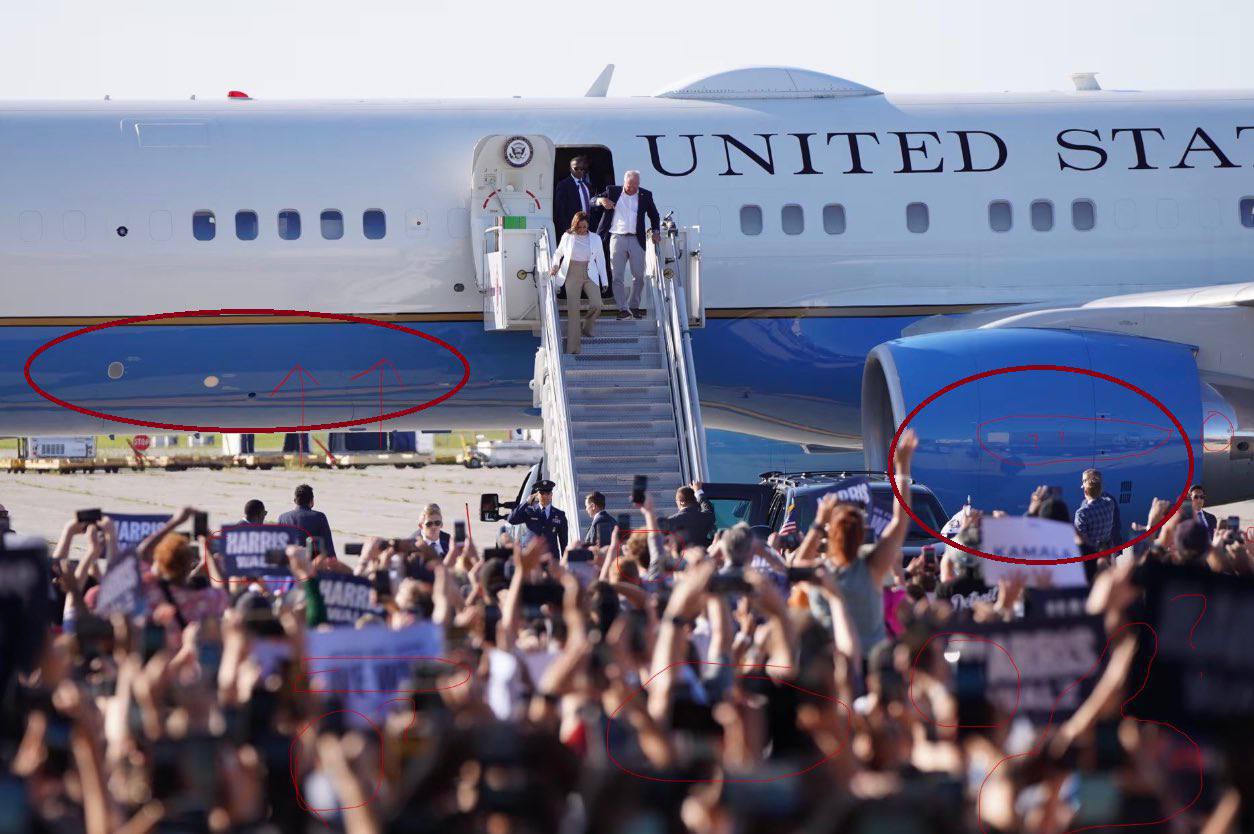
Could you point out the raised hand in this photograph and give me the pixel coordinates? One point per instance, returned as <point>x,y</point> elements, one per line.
<point>906,447</point>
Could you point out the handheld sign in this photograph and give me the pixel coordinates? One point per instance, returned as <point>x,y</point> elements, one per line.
<point>1033,668</point>
<point>121,588</point>
<point>1031,538</point>
<point>1202,675</point>
<point>365,668</point>
<point>244,547</point>
<point>346,597</point>
<point>133,529</point>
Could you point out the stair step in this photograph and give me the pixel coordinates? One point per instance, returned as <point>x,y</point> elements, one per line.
<point>616,429</point>
<point>627,443</point>
<point>664,467</point>
<point>598,344</point>
<point>626,327</point>
<point>618,361</point>
<point>657,378</point>
<point>607,406</point>
<point>619,396</point>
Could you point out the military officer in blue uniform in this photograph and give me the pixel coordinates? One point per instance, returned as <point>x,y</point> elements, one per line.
<point>542,518</point>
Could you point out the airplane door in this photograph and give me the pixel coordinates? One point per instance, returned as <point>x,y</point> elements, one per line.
<point>511,188</point>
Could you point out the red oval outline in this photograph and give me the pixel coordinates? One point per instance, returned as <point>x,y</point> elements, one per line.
<point>1188,478</point>
<point>1231,431</point>
<point>980,439</point>
<point>609,750</point>
<point>82,331</point>
<point>293,762</point>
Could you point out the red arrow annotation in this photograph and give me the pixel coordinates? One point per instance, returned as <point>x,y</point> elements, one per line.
<point>301,375</point>
<point>381,366</point>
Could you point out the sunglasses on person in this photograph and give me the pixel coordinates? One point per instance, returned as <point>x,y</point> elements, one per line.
<point>434,523</point>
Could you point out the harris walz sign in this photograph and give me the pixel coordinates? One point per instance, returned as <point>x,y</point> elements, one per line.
<point>243,548</point>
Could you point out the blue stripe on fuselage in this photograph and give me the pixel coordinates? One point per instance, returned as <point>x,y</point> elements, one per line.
<point>798,374</point>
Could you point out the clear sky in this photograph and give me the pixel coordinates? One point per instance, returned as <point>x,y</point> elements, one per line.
<point>427,48</point>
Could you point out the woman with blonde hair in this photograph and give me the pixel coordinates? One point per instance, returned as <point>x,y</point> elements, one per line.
<point>579,265</point>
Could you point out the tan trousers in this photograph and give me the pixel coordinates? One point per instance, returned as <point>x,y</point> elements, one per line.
<point>577,284</point>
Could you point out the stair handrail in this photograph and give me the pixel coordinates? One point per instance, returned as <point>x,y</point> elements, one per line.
<point>558,439</point>
<point>670,305</point>
<point>680,325</point>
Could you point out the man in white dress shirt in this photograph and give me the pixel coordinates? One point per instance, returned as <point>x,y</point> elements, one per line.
<point>620,213</point>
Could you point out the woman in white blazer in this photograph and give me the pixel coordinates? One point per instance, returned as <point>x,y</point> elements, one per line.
<point>579,265</point>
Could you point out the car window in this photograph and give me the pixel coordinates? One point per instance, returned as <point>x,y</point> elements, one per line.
<point>729,511</point>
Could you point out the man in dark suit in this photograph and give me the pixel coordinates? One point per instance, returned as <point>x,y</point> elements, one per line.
<point>694,523</point>
<point>431,530</point>
<point>308,519</point>
<point>1197,496</point>
<point>602,525</point>
<point>572,194</point>
<point>541,518</point>
<point>254,512</point>
<point>620,213</point>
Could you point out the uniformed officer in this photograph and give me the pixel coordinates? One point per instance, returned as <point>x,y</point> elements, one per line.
<point>542,518</point>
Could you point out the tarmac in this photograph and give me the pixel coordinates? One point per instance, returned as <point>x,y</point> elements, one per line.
<point>381,501</point>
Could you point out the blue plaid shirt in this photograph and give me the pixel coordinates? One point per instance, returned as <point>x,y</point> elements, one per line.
<point>1095,520</point>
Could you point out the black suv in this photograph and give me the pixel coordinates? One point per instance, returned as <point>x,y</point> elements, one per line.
<point>780,497</point>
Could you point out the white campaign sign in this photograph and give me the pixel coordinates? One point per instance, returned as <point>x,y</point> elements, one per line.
<point>1032,539</point>
<point>364,668</point>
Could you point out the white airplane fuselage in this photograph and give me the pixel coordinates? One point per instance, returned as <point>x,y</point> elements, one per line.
<point>97,201</point>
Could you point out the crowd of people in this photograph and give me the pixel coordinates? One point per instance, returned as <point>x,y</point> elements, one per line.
<point>695,680</point>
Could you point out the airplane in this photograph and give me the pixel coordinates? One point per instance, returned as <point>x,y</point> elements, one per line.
<point>859,252</point>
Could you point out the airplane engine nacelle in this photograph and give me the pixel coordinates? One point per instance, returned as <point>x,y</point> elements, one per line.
<point>998,438</point>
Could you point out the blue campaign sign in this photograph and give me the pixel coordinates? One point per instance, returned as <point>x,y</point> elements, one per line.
<point>346,597</point>
<point>366,668</point>
<point>244,549</point>
<point>121,588</point>
<point>133,529</point>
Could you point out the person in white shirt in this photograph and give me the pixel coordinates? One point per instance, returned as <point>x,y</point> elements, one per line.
<point>579,265</point>
<point>621,212</point>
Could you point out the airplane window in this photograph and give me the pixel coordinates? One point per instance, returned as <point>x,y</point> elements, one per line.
<point>751,220</point>
<point>1042,215</point>
<point>373,224</point>
<point>246,225</point>
<point>1000,216</point>
<point>1247,212</point>
<point>1083,215</point>
<point>917,219</point>
<point>289,224</point>
<point>332,224</point>
<point>834,219</point>
<point>792,219</point>
<point>204,227</point>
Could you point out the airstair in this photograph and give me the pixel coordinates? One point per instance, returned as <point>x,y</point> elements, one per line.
<point>627,404</point>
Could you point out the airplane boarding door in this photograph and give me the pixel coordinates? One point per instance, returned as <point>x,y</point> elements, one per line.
<point>511,203</point>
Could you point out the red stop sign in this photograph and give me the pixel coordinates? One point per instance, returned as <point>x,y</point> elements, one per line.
<point>141,442</point>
